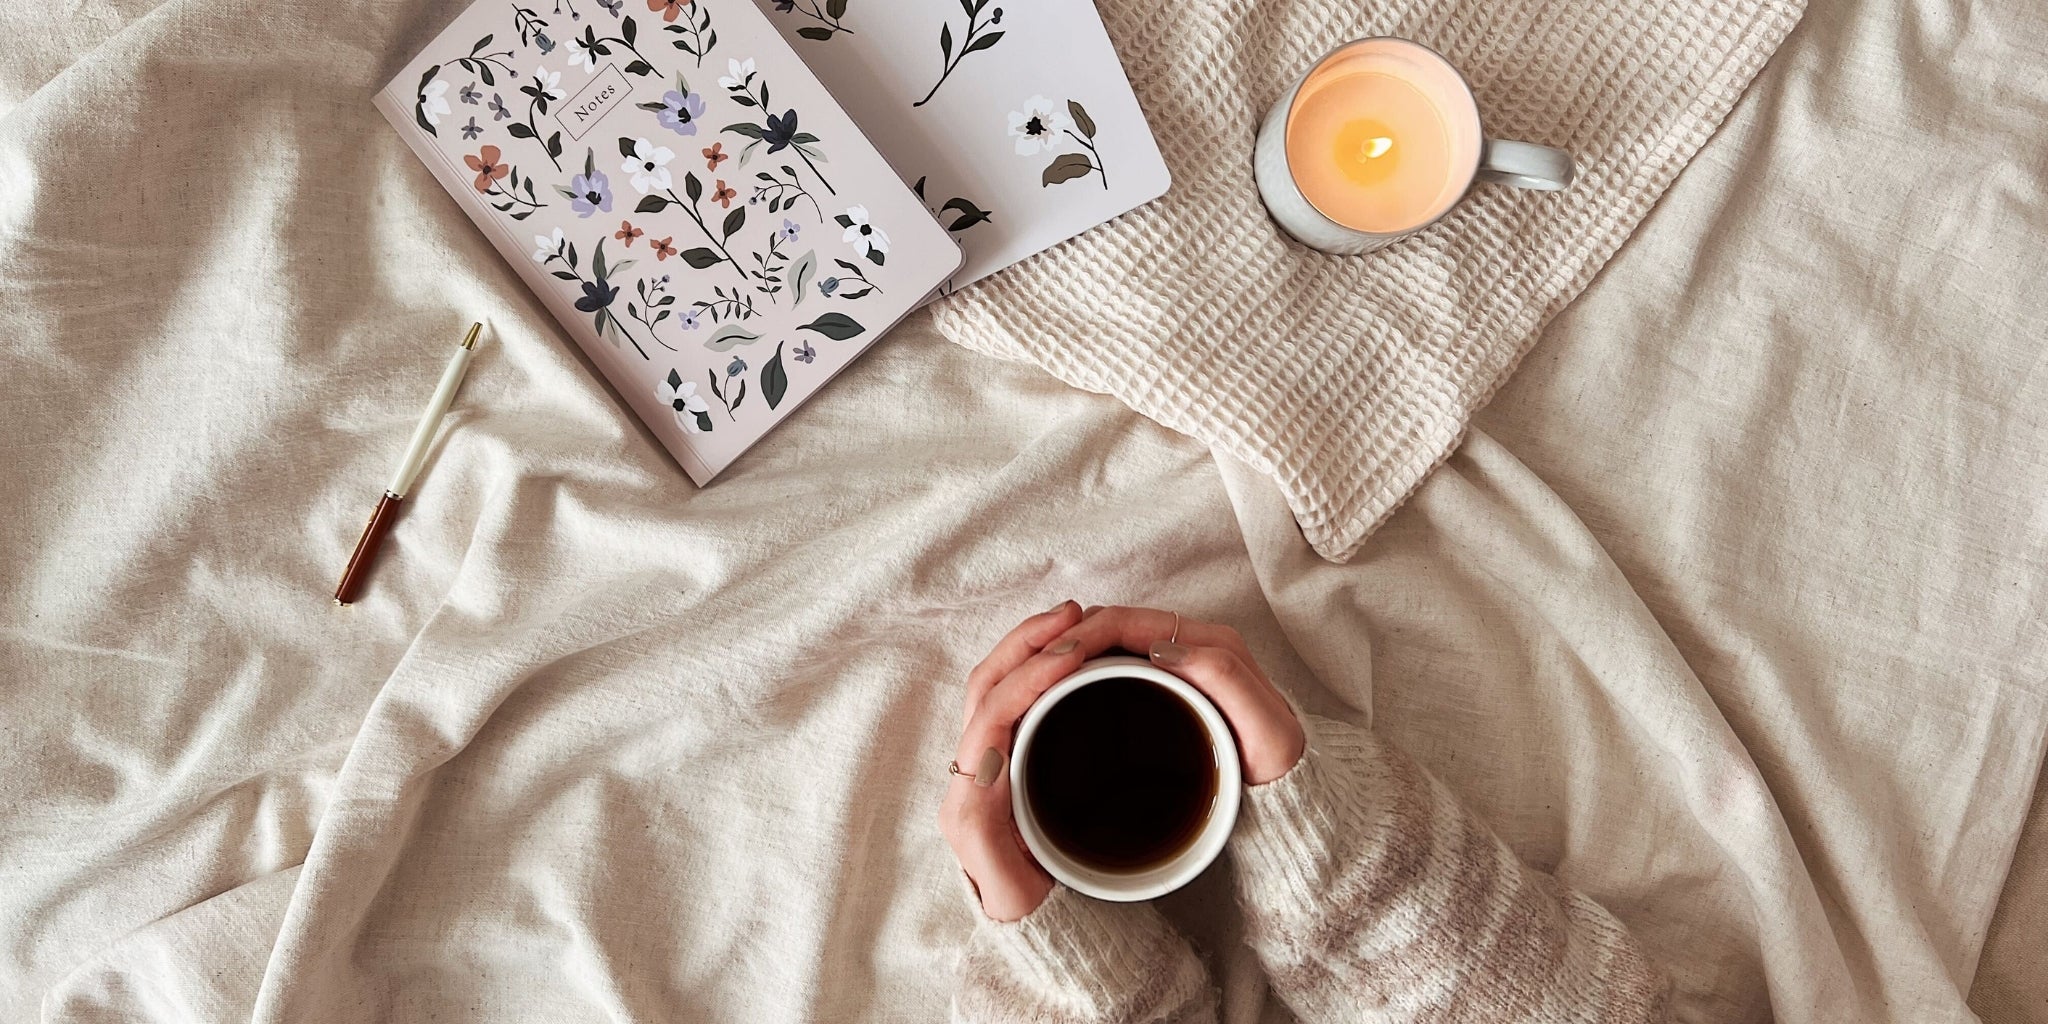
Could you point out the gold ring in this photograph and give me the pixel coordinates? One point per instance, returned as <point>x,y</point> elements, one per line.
<point>953,768</point>
<point>1175,638</point>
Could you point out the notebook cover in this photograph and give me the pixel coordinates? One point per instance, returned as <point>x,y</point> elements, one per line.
<point>1014,116</point>
<point>683,195</point>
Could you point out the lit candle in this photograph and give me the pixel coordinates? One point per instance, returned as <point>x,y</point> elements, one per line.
<point>1379,139</point>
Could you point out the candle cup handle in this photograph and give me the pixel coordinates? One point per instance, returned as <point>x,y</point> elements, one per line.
<point>1525,165</point>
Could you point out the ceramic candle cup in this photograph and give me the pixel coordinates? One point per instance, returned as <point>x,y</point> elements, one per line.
<point>1380,139</point>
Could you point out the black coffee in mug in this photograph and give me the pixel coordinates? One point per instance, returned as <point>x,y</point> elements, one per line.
<point>1121,775</point>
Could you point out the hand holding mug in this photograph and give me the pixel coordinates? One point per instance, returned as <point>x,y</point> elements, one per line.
<point>977,816</point>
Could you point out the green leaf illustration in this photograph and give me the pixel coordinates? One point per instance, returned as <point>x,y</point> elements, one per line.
<point>835,9</point>
<point>629,31</point>
<point>774,379</point>
<point>519,131</point>
<point>704,421</point>
<point>1081,118</point>
<point>728,337</point>
<point>800,277</point>
<point>693,188</point>
<point>946,41</point>
<point>836,326</point>
<point>1065,167</point>
<point>752,131</point>
<point>970,214</point>
<point>735,220</point>
<point>981,44</point>
<point>651,204</point>
<point>818,32</point>
<point>701,257</point>
<point>639,67</point>
<point>626,144</point>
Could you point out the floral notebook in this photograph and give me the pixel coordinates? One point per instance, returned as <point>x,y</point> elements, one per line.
<point>684,196</point>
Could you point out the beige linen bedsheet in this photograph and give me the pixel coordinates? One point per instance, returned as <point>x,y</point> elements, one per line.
<point>1730,610</point>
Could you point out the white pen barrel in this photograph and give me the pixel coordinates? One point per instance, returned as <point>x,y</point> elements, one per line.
<point>430,421</point>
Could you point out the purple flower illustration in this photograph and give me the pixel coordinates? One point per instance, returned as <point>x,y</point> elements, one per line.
<point>689,320</point>
<point>679,112</point>
<point>472,129</point>
<point>470,95</point>
<point>789,230</point>
<point>781,131</point>
<point>596,295</point>
<point>590,193</point>
<point>804,353</point>
<point>498,110</point>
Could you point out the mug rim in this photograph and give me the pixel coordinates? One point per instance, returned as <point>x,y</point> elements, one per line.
<point>1470,175</point>
<point>1153,882</point>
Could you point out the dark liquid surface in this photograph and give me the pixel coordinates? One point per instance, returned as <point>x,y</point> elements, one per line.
<point>1121,775</point>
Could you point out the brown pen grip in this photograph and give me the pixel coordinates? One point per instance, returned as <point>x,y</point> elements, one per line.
<point>366,548</point>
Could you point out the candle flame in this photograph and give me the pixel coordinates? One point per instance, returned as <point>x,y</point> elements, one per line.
<point>1375,147</point>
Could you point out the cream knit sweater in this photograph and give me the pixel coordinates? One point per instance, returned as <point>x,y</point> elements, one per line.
<point>1370,895</point>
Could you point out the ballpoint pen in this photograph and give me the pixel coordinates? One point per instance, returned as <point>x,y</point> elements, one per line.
<point>409,468</point>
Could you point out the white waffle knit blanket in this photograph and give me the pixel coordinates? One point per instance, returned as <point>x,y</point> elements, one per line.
<point>1348,378</point>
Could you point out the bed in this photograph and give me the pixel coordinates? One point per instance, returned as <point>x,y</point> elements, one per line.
<point>1730,609</point>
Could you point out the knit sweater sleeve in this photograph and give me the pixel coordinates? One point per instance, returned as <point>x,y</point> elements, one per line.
<point>1075,960</point>
<point>1371,895</point>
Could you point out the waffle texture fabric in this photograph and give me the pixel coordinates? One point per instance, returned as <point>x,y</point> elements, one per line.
<point>1348,378</point>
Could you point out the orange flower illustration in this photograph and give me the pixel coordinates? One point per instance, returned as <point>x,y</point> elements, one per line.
<point>724,196</point>
<point>488,170</point>
<point>715,155</point>
<point>662,249</point>
<point>627,232</point>
<point>668,9</point>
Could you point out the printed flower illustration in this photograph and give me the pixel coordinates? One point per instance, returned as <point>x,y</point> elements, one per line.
<point>549,84</point>
<point>596,295</point>
<point>547,247</point>
<point>581,55</point>
<point>612,6</point>
<point>489,165</point>
<point>663,247</point>
<point>679,111</point>
<point>627,233</point>
<point>669,10</point>
<point>803,352</point>
<point>738,74</point>
<point>649,166</point>
<point>828,286</point>
<point>723,195</point>
<point>715,155</point>
<point>470,95</point>
<point>790,229</point>
<point>434,101</point>
<point>1037,127</point>
<point>690,320</point>
<point>590,193</point>
<point>693,413</point>
<point>737,367</point>
<point>472,129</point>
<point>780,131</point>
<point>862,234</point>
<point>499,111</point>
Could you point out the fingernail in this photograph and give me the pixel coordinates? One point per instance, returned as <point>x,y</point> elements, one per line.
<point>1058,607</point>
<point>991,766</point>
<point>1166,652</point>
<point>1063,646</point>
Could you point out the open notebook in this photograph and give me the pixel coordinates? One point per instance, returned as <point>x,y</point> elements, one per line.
<point>708,222</point>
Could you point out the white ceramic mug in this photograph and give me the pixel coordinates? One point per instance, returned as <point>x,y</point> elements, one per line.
<point>1476,157</point>
<point>1158,879</point>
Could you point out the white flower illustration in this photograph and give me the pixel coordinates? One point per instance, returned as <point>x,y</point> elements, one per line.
<point>737,73</point>
<point>649,166</point>
<point>581,55</point>
<point>434,101</point>
<point>546,246</point>
<point>1037,127</point>
<point>681,396</point>
<point>861,234</point>
<point>549,83</point>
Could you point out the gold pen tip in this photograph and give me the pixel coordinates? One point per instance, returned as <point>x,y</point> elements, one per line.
<point>469,340</point>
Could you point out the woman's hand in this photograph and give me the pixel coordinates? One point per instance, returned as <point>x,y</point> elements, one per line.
<point>975,817</point>
<point>1215,660</point>
<point>1045,649</point>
